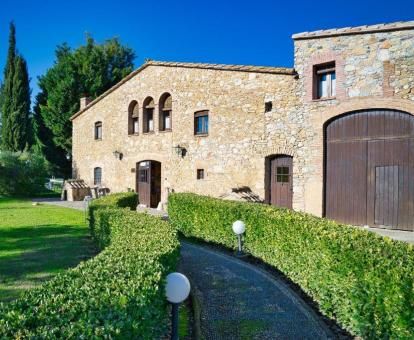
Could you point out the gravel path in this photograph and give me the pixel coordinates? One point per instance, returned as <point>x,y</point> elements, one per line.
<point>240,301</point>
<point>79,205</point>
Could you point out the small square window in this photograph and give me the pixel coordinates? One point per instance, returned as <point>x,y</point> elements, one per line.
<point>200,173</point>
<point>268,106</point>
<point>282,174</point>
<point>325,81</point>
<point>143,175</point>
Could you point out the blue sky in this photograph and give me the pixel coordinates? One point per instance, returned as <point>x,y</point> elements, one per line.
<point>230,32</point>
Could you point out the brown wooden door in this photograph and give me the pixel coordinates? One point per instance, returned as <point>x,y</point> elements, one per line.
<point>143,174</point>
<point>149,183</point>
<point>370,169</point>
<point>155,183</point>
<point>281,181</point>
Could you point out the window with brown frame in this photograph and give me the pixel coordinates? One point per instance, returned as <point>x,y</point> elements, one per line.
<point>324,81</point>
<point>148,115</point>
<point>133,118</point>
<point>165,114</point>
<point>200,173</point>
<point>201,123</point>
<point>97,176</point>
<point>98,130</point>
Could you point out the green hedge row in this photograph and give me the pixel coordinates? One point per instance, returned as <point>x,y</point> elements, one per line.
<point>117,294</point>
<point>101,232</point>
<point>364,281</point>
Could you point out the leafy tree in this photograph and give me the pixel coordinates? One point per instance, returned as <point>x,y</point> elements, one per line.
<point>22,173</point>
<point>86,71</point>
<point>43,141</point>
<point>1,108</point>
<point>15,99</point>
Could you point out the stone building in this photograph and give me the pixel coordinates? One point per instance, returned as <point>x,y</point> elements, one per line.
<point>333,136</point>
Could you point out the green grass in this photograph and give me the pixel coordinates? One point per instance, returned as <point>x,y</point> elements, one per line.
<point>37,242</point>
<point>184,321</point>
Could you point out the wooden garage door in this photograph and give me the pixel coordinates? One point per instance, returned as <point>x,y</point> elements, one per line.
<point>370,169</point>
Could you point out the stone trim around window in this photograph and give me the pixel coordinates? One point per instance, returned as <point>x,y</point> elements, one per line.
<point>324,58</point>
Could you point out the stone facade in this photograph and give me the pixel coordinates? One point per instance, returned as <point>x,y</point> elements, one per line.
<point>374,67</point>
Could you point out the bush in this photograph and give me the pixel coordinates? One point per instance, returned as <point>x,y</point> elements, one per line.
<point>117,294</point>
<point>119,200</point>
<point>22,173</point>
<point>362,280</point>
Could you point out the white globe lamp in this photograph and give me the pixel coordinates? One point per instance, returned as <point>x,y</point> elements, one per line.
<point>239,228</point>
<point>177,290</point>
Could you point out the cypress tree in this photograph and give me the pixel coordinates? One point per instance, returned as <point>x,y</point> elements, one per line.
<point>8,88</point>
<point>1,109</point>
<point>16,99</point>
<point>18,121</point>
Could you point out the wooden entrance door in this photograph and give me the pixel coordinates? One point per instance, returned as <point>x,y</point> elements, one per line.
<point>370,169</point>
<point>144,182</point>
<point>281,181</point>
<point>148,178</point>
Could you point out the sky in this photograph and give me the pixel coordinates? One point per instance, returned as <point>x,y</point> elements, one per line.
<point>216,31</point>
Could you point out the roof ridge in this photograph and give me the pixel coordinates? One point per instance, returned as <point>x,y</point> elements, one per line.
<point>393,26</point>
<point>230,67</point>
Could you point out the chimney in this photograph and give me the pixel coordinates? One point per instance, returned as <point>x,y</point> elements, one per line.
<point>84,102</point>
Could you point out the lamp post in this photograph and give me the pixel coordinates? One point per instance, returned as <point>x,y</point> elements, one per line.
<point>238,228</point>
<point>177,290</point>
<point>87,200</point>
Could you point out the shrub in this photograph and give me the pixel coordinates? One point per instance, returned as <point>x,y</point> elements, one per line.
<point>118,200</point>
<point>364,281</point>
<point>22,173</point>
<point>117,294</point>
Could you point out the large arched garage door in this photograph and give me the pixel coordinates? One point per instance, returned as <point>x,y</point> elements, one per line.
<point>370,169</point>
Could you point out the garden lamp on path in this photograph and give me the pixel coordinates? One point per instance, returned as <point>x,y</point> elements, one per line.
<point>238,228</point>
<point>177,290</point>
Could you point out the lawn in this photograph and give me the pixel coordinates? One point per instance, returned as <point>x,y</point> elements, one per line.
<point>37,242</point>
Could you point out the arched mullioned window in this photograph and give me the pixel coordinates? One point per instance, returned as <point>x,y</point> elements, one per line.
<point>98,130</point>
<point>133,118</point>
<point>97,176</point>
<point>148,115</point>
<point>165,112</point>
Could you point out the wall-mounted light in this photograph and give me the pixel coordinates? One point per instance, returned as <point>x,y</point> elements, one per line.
<point>179,150</point>
<point>118,155</point>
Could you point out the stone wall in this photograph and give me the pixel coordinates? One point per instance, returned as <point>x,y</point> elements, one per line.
<point>373,69</point>
<point>233,152</point>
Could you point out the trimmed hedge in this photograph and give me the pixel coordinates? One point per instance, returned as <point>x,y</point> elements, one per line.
<point>117,294</point>
<point>364,281</point>
<point>102,233</point>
